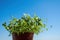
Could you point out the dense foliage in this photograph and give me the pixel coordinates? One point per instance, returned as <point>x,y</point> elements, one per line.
<point>25,24</point>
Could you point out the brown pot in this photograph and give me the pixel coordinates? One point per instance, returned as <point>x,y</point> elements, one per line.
<point>25,36</point>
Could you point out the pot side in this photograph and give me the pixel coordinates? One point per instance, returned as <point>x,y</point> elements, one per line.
<point>21,36</point>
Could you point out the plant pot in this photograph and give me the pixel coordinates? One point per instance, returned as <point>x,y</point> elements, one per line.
<point>21,36</point>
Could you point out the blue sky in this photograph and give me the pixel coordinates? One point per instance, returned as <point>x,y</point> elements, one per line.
<point>49,9</point>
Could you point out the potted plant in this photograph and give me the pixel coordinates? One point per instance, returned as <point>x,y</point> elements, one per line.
<point>25,27</point>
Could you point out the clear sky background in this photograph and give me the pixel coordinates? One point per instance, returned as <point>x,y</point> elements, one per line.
<point>49,9</point>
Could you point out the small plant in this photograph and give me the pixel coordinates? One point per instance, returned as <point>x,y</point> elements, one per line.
<point>25,24</point>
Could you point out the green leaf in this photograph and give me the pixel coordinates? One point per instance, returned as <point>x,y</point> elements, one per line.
<point>25,24</point>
